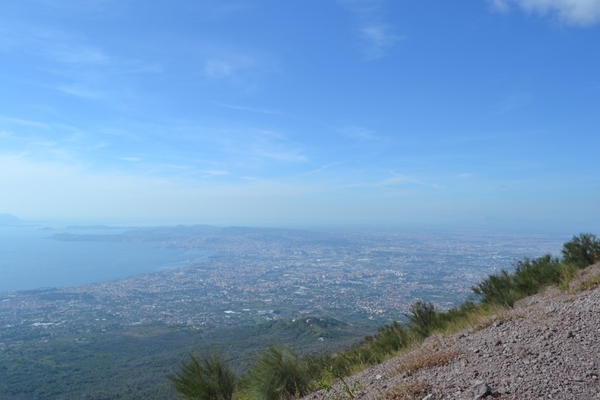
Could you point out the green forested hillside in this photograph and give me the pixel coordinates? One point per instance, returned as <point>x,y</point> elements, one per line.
<point>133,363</point>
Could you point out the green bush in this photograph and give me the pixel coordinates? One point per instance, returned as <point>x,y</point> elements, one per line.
<point>390,338</point>
<point>278,374</point>
<point>422,318</point>
<point>531,276</point>
<point>582,250</point>
<point>204,377</point>
<point>497,289</point>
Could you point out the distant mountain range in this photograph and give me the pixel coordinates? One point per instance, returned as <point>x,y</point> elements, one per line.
<point>9,219</point>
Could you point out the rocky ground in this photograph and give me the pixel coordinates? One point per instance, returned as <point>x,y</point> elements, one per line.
<point>547,347</point>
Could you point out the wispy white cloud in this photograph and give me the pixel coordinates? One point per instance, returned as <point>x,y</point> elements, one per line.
<point>25,122</point>
<point>79,5</point>
<point>52,44</point>
<point>512,102</point>
<point>44,143</point>
<point>400,179</point>
<point>219,69</point>
<point>224,9</point>
<point>81,91</point>
<point>499,5</point>
<point>571,12</point>
<point>74,64</point>
<point>228,66</point>
<point>280,155</point>
<point>319,170</point>
<point>130,159</point>
<point>465,175</point>
<point>214,172</point>
<point>377,36</point>
<point>223,63</point>
<point>250,109</point>
<point>357,132</point>
<point>77,54</point>
<point>272,145</point>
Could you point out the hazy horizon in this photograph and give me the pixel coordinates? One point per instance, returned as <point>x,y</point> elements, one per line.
<point>487,224</point>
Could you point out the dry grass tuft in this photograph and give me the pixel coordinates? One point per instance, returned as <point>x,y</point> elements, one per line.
<point>586,279</point>
<point>477,319</point>
<point>409,391</point>
<point>589,284</point>
<point>426,358</point>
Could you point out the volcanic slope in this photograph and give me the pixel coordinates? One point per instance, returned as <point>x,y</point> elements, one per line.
<point>546,347</point>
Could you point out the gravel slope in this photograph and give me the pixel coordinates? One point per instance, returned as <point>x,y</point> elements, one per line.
<point>547,347</point>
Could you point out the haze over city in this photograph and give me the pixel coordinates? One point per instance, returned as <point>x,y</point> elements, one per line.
<point>479,113</point>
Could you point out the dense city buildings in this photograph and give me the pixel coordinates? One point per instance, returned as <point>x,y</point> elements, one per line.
<point>253,275</point>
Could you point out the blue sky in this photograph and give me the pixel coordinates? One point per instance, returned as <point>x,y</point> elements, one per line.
<point>302,112</point>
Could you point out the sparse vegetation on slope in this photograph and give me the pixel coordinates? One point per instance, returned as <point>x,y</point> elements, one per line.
<point>272,379</point>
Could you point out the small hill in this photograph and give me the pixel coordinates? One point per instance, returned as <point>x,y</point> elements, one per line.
<point>546,347</point>
<point>9,219</point>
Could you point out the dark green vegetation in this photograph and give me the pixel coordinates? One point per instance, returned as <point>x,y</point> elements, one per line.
<point>205,377</point>
<point>530,276</point>
<point>582,251</point>
<point>278,373</point>
<point>133,363</point>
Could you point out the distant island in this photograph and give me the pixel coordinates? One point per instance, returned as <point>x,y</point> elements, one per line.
<point>10,220</point>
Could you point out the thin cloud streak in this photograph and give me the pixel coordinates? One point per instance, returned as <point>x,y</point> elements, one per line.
<point>377,36</point>
<point>398,179</point>
<point>357,132</point>
<point>213,172</point>
<point>81,91</point>
<point>512,102</point>
<point>582,13</point>
<point>76,67</point>
<point>249,109</point>
<point>26,122</point>
<point>53,45</point>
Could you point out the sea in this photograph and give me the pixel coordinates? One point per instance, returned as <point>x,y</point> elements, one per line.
<point>29,259</point>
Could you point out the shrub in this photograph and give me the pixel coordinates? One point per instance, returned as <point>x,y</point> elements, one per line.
<point>204,376</point>
<point>497,289</point>
<point>390,338</point>
<point>582,250</point>
<point>531,276</point>
<point>278,374</point>
<point>422,318</point>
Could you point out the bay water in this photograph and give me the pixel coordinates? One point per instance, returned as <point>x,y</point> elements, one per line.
<point>29,259</point>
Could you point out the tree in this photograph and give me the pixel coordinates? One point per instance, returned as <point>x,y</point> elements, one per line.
<point>204,377</point>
